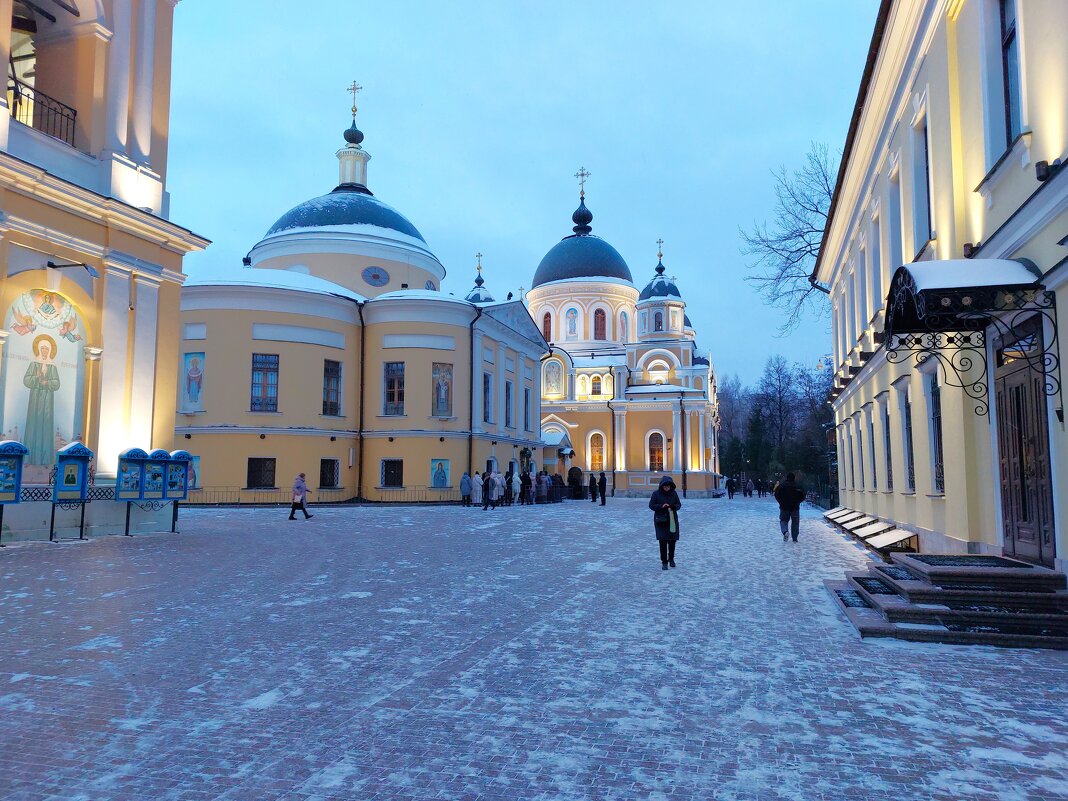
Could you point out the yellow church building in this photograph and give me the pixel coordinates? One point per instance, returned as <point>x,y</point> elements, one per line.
<point>333,352</point>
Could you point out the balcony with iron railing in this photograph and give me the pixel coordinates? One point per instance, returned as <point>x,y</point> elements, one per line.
<point>34,109</point>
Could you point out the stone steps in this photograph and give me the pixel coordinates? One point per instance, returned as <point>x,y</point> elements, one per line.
<point>977,600</point>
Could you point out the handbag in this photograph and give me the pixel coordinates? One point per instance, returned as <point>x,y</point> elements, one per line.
<point>661,516</point>
<point>297,498</point>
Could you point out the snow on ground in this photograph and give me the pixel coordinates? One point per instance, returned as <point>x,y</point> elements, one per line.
<point>527,653</point>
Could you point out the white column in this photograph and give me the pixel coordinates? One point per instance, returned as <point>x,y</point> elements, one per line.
<point>476,381</point>
<point>701,457</point>
<point>143,379</point>
<point>5,56</point>
<point>118,88</point>
<point>143,82</point>
<point>114,391</point>
<point>676,436</point>
<point>621,440</point>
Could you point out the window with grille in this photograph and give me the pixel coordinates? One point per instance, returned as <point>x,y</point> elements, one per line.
<point>260,474</point>
<point>656,451</point>
<point>329,473</point>
<point>393,386</point>
<point>600,325</point>
<point>658,322</point>
<point>938,466</point>
<point>595,385</point>
<point>331,388</point>
<point>1010,71</point>
<point>487,397</point>
<point>392,472</point>
<point>910,465</point>
<point>508,416</point>
<point>547,327</point>
<point>597,453</point>
<point>264,396</point>
<point>889,451</point>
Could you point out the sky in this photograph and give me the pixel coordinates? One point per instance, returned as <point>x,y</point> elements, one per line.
<point>478,114</point>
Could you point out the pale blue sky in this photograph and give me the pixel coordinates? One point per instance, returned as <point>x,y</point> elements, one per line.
<point>477,114</point>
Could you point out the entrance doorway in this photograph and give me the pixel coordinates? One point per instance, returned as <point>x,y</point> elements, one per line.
<point>1023,447</point>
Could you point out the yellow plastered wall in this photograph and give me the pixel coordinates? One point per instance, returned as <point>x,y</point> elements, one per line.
<point>347,271</point>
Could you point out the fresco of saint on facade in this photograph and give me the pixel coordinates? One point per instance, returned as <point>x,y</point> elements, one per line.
<point>43,379</point>
<point>192,383</point>
<point>442,378</point>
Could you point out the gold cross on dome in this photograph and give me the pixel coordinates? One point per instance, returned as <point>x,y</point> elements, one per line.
<point>582,175</point>
<point>479,257</point>
<point>354,89</point>
<point>674,279</point>
<point>660,248</point>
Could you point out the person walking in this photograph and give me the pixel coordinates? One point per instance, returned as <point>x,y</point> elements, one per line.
<point>498,490</point>
<point>732,485</point>
<point>517,487</point>
<point>300,498</point>
<point>602,487</point>
<point>593,488</point>
<point>465,490</point>
<point>543,487</point>
<point>665,504</point>
<point>749,488</point>
<point>789,494</point>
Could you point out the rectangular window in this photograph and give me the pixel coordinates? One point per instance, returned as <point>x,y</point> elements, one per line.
<point>331,388</point>
<point>862,292</point>
<point>526,409</point>
<point>264,383</point>
<point>487,397</point>
<point>329,473</point>
<point>860,453</point>
<point>392,472</point>
<point>508,421</point>
<point>260,474</point>
<point>896,252</point>
<point>1010,71</point>
<point>889,451</point>
<point>875,248</point>
<point>852,459</point>
<point>871,450</point>
<point>921,206</point>
<point>910,465</point>
<point>938,464</point>
<point>393,386</point>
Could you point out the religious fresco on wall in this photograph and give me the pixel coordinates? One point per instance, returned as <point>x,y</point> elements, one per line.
<point>194,473</point>
<point>442,379</point>
<point>192,383</point>
<point>553,378</point>
<point>572,323</point>
<point>439,474</point>
<point>43,378</point>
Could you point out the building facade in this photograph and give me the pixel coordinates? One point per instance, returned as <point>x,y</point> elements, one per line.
<point>90,263</point>
<point>945,260</point>
<point>333,352</point>
<point>624,379</point>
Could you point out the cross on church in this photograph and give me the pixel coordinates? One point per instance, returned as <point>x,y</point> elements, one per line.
<point>660,248</point>
<point>479,257</point>
<point>354,89</point>
<point>582,175</point>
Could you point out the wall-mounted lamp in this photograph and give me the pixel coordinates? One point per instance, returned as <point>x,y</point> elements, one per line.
<point>246,261</point>
<point>969,250</point>
<point>1043,169</point>
<point>93,273</point>
<point>391,439</point>
<point>404,286</point>
<point>333,439</point>
<point>441,439</point>
<point>188,436</point>
<point>263,436</point>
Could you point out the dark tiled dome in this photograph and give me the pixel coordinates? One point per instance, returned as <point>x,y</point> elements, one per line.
<point>659,287</point>
<point>581,255</point>
<point>346,205</point>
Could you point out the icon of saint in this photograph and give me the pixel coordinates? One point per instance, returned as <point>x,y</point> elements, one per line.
<point>42,379</point>
<point>441,478</point>
<point>194,380</point>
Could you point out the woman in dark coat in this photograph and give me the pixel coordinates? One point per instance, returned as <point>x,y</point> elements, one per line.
<point>665,504</point>
<point>593,488</point>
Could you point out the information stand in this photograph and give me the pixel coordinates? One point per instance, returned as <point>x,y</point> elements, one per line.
<point>177,485</point>
<point>12,454</point>
<point>71,486</point>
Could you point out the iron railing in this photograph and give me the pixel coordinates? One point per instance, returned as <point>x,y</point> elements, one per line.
<point>37,110</point>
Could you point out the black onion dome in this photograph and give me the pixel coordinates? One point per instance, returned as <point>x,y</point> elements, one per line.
<point>479,294</point>
<point>581,255</point>
<point>349,204</point>
<point>353,135</point>
<point>659,287</point>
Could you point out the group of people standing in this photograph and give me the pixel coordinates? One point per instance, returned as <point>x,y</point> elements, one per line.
<point>492,488</point>
<point>761,487</point>
<point>598,486</point>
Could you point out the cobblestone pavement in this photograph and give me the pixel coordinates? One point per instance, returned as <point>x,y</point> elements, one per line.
<point>447,653</point>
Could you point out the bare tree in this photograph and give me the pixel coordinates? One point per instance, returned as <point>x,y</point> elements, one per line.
<point>783,251</point>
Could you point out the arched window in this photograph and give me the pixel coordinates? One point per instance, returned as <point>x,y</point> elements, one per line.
<point>547,327</point>
<point>599,325</point>
<point>656,451</point>
<point>596,452</point>
<point>658,321</point>
<point>596,385</point>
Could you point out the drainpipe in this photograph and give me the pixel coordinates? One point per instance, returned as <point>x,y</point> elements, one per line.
<point>359,429</point>
<point>612,417</point>
<point>682,431</point>
<point>471,399</point>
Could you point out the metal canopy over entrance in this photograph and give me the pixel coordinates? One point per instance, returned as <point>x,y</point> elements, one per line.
<point>947,310</point>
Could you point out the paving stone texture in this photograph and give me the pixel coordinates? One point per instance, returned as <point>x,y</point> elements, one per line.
<point>527,653</point>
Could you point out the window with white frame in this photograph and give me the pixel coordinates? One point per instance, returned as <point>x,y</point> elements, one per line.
<point>1010,70</point>
<point>487,397</point>
<point>910,462</point>
<point>862,292</point>
<point>656,452</point>
<point>875,257</point>
<point>889,449</point>
<point>860,451</point>
<point>934,395</point>
<point>596,460</point>
<point>873,481</point>
<point>509,417</point>
<point>923,230</point>
<point>894,222</point>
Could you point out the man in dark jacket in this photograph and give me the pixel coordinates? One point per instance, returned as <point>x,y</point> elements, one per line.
<point>731,487</point>
<point>789,494</point>
<point>593,488</point>
<point>602,487</point>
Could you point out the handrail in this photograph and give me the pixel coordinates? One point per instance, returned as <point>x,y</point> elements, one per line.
<point>39,111</point>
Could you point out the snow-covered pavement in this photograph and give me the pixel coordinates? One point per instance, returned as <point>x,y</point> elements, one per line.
<point>528,653</point>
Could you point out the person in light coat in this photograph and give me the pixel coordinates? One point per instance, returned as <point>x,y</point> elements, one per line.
<point>498,489</point>
<point>517,487</point>
<point>476,489</point>
<point>465,490</point>
<point>300,498</point>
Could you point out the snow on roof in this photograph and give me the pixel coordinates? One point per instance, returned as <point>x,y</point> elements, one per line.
<point>421,294</point>
<point>652,389</point>
<point>270,279</point>
<point>962,273</point>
